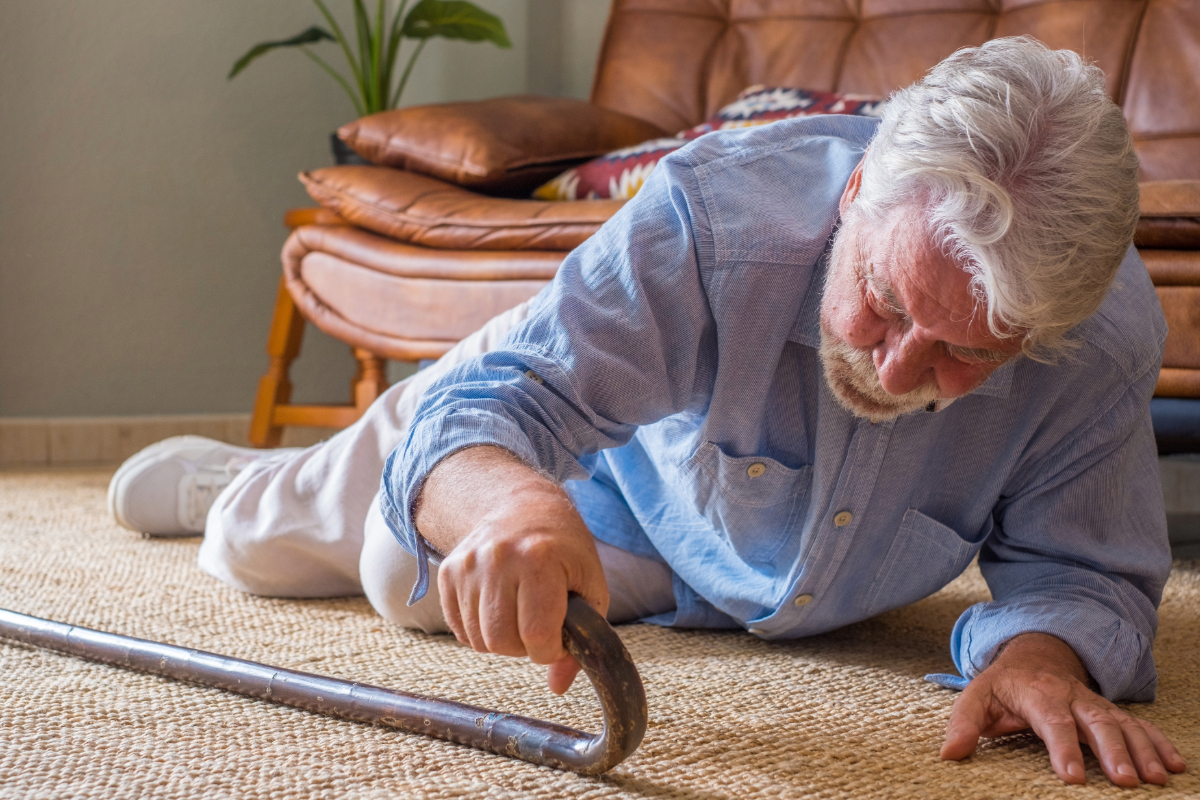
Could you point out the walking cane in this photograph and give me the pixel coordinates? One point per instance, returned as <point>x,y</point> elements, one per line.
<point>586,635</point>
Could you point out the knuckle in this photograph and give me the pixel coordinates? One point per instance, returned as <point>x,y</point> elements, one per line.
<point>538,551</point>
<point>1092,714</point>
<point>1059,719</point>
<point>502,644</point>
<point>542,643</point>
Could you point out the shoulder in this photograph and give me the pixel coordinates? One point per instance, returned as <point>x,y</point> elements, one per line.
<point>1107,380</point>
<point>1127,332</point>
<point>770,193</point>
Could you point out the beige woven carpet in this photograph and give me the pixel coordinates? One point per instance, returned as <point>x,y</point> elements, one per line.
<point>845,715</point>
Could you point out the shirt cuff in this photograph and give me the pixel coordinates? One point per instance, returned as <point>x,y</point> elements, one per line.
<point>407,467</point>
<point>1114,652</point>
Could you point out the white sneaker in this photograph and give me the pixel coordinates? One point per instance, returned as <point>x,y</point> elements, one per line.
<point>168,488</point>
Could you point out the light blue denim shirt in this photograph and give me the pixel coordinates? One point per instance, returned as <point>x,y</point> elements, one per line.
<point>677,349</point>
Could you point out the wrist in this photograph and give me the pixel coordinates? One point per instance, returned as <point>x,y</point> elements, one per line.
<point>1042,652</point>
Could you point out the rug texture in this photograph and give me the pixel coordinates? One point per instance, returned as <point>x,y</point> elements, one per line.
<point>843,715</point>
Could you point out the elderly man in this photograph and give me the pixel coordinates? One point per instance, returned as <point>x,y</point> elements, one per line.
<point>806,376</point>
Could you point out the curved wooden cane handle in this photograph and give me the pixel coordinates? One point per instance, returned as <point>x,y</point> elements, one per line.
<point>586,635</point>
<point>608,665</point>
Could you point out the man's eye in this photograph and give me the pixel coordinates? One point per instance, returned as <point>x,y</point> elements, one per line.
<point>978,358</point>
<point>878,305</point>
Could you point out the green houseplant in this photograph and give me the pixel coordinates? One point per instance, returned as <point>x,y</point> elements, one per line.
<point>372,84</point>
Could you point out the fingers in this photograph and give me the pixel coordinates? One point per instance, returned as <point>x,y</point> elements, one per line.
<point>498,623</point>
<point>1141,750</point>
<point>450,607</point>
<point>1167,753</point>
<point>968,718</point>
<point>541,608</point>
<point>1104,735</point>
<point>1056,726</point>
<point>1128,748</point>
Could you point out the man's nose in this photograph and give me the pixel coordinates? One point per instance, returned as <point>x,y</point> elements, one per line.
<point>903,364</point>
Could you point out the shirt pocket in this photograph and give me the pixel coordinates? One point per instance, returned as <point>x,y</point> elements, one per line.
<point>924,557</point>
<point>752,501</point>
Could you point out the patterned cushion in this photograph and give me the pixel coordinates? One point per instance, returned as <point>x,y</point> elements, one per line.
<point>619,174</point>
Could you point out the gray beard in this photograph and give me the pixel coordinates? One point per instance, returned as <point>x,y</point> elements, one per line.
<point>849,371</point>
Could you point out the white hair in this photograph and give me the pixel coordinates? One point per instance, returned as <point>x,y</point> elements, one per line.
<point>1026,175</point>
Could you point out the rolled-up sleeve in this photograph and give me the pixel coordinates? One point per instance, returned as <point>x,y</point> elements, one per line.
<point>1081,554</point>
<point>616,341</point>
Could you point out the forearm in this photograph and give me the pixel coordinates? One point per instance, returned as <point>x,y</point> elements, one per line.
<point>481,485</point>
<point>1108,623</point>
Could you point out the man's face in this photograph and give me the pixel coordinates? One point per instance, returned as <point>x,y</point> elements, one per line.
<point>900,327</point>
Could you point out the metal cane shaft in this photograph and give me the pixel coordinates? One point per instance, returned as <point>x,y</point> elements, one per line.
<point>586,635</point>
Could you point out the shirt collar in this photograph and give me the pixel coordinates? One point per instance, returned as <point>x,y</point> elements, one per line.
<point>807,328</point>
<point>807,331</point>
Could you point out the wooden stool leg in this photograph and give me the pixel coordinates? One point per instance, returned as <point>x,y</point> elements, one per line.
<point>274,389</point>
<point>370,380</point>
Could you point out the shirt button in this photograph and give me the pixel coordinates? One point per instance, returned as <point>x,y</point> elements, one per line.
<point>756,469</point>
<point>803,600</point>
<point>843,518</point>
<point>756,631</point>
<point>533,376</point>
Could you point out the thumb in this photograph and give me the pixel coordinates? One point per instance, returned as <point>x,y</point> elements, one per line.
<point>562,674</point>
<point>968,719</point>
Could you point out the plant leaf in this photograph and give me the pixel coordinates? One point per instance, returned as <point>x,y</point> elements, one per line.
<point>454,19</point>
<point>363,24</point>
<point>393,47</point>
<point>345,44</point>
<point>407,71</point>
<point>381,72</point>
<point>310,36</point>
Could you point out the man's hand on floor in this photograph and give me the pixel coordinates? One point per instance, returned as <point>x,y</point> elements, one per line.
<point>515,547</point>
<point>1038,682</point>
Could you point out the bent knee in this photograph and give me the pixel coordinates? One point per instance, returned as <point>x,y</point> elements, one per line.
<point>389,572</point>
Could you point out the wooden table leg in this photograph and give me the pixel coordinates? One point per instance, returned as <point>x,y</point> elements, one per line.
<point>275,388</point>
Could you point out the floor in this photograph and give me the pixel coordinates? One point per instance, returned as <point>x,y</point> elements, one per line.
<point>842,715</point>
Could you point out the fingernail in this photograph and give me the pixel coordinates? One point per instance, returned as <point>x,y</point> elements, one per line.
<point>1075,770</point>
<point>1127,770</point>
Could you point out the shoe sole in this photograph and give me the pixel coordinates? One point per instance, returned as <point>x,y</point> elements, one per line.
<point>148,454</point>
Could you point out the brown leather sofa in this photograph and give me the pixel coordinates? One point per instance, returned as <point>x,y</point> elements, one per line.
<point>407,257</point>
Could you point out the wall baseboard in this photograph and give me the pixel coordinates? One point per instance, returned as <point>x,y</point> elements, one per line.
<point>79,441</point>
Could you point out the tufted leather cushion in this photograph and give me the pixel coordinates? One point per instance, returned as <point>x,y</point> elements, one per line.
<point>674,62</point>
<point>400,301</point>
<point>425,211</point>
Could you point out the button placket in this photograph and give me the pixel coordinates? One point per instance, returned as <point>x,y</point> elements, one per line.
<point>856,484</point>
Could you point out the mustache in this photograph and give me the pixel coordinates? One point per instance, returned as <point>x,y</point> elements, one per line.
<point>851,375</point>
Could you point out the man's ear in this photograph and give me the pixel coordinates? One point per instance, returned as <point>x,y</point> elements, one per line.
<point>852,187</point>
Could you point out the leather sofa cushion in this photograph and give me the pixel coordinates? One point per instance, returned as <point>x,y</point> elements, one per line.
<point>401,301</point>
<point>425,211</point>
<point>506,145</point>
<point>674,62</point>
<point>1170,215</point>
